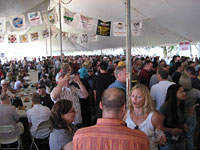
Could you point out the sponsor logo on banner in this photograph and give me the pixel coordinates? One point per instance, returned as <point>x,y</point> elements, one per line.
<point>103,28</point>
<point>2,37</point>
<point>73,37</point>
<point>18,23</point>
<point>184,46</point>
<point>2,25</point>
<point>34,36</point>
<point>24,38</point>
<point>12,39</point>
<point>50,16</point>
<point>45,33</point>
<point>86,24</point>
<point>137,28</point>
<point>69,17</point>
<point>119,29</point>
<point>35,18</point>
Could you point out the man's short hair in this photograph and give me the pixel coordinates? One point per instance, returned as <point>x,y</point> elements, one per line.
<point>191,70</point>
<point>4,97</point>
<point>147,62</point>
<point>163,73</point>
<point>113,99</point>
<point>36,98</point>
<point>103,65</point>
<point>118,70</point>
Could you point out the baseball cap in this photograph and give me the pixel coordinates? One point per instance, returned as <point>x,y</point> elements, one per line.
<point>60,74</point>
<point>4,81</point>
<point>121,63</point>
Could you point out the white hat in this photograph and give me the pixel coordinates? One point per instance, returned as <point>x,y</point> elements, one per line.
<point>4,81</point>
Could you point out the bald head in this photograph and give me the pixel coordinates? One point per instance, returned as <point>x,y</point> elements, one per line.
<point>113,99</point>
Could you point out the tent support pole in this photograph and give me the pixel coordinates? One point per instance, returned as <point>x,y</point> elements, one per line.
<point>128,50</point>
<point>50,40</point>
<point>61,50</point>
<point>46,47</point>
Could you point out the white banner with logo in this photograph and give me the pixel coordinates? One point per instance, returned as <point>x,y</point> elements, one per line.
<point>35,18</point>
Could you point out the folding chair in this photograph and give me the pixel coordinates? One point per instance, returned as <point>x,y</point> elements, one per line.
<point>9,129</point>
<point>44,129</point>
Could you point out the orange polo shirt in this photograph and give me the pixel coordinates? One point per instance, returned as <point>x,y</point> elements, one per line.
<point>110,134</point>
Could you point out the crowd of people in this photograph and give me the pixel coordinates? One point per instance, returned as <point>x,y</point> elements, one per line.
<point>84,97</point>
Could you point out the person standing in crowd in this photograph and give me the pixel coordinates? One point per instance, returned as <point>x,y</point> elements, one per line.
<point>159,90</point>
<point>100,83</point>
<point>64,90</point>
<point>191,97</point>
<point>111,132</point>
<point>144,74</point>
<point>120,82</point>
<point>39,69</point>
<point>63,114</point>
<point>57,65</point>
<point>173,114</point>
<point>142,115</point>
<point>195,81</point>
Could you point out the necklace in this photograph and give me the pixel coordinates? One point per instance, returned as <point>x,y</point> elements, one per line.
<point>138,114</point>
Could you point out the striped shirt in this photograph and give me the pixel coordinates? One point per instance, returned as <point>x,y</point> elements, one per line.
<point>110,134</point>
<point>73,94</point>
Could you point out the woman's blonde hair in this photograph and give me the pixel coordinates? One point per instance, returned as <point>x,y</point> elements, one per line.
<point>185,82</point>
<point>148,104</point>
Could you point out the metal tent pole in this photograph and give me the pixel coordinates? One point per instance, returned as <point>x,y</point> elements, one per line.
<point>128,49</point>
<point>50,39</point>
<point>61,50</point>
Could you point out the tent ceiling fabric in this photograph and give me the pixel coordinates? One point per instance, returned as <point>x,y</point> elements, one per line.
<point>16,7</point>
<point>164,21</point>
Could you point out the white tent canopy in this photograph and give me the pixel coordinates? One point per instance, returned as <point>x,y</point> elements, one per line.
<point>164,21</point>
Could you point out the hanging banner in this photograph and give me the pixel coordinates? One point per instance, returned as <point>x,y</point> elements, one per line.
<point>64,36</point>
<point>87,38</point>
<point>35,18</point>
<point>2,25</point>
<point>137,28</point>
<point>73,37</point>
<point>50,16</point>
<point>119,29</point>
<point>69,17</point>
<point>45,33</point>
<point>18,23</point>
<point>103,28</point>
<point>86,24</point>
<point>12,39</point>
<point>2,37</point>
<point>34,36</point>
<point>184,46</point>
<point>24,38</point>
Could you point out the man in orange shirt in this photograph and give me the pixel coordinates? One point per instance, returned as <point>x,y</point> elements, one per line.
<point>110,132</point>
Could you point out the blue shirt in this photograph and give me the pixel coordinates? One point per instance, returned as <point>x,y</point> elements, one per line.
<point>118,84</point>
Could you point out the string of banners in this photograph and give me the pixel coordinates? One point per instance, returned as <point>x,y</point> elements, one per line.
<point>88,25</point>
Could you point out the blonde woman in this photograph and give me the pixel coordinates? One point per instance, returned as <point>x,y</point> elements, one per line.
<point>141,115</point>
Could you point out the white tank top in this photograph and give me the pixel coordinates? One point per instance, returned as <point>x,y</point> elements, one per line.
<point>146,126</point>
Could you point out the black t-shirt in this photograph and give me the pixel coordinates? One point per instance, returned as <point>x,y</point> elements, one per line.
<point>100,83</point>
<point>46,101</point>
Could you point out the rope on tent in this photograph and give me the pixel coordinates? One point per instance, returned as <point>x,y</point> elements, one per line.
<point>66,2</point>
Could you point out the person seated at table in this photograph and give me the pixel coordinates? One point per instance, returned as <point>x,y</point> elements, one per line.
<point>9,116</point>
<point>4,89</point>
<point>19,82</point>
<point>37,114</point>
<point>45,98</point>
<point>63,114</point>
